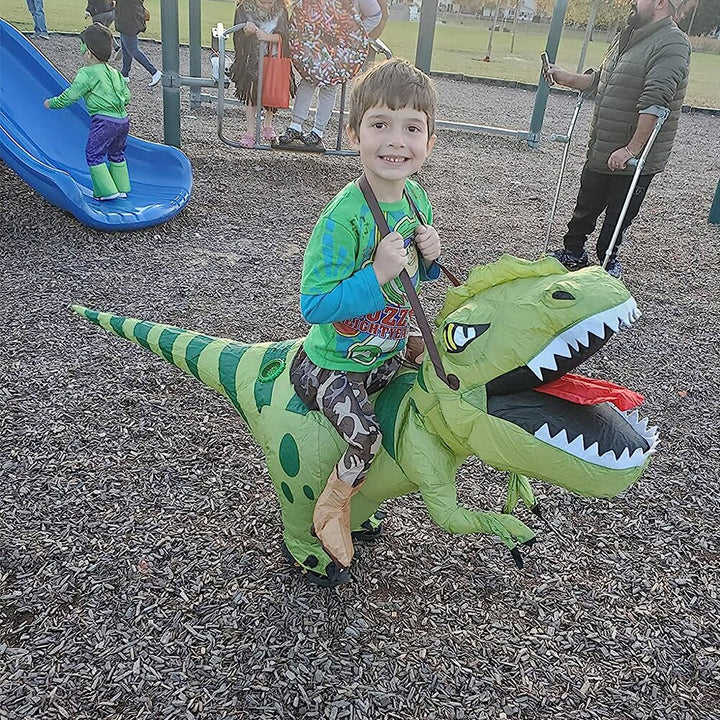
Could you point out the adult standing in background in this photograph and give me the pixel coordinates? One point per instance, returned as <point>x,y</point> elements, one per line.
<point>103,12</point>
<point>38,15</point>
<point>131,18</point>
<point>645,70</point>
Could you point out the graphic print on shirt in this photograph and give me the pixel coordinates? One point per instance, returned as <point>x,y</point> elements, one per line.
<point>385,330</point>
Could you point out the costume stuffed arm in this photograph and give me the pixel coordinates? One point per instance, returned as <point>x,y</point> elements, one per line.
<point>430,464</point>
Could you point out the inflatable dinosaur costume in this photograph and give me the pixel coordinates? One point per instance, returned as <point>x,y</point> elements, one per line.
<point>509,333</point>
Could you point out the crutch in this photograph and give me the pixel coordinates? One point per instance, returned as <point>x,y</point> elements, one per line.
<point>565,139</point>
<point>639,164</point>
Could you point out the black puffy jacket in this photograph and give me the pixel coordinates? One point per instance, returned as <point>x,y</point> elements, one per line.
<point>130,17</point>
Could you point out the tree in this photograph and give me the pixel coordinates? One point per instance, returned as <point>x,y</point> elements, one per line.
<point>707,16</point>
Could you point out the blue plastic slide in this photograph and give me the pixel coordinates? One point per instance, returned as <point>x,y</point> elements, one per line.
<point>46,148</point>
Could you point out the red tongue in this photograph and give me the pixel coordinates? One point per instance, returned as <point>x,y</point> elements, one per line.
<point>589,391</point>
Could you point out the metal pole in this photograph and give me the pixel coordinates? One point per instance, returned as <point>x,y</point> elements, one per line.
<point>588,34</point>
<point>195,20</point>
<point>514,27</point>
<point>426,34</point>
<point>170,34</point>
<point>566,151</point>
<point>541,96</point>
<point>714,217</point>
<point>492,28</point>
<point>639,165</point>
<point>692,19</point>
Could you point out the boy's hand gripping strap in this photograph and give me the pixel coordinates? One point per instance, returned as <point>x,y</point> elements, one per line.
<point>450,380</point>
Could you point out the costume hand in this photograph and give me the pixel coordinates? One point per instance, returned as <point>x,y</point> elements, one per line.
<point>619,159</point>
<point>427,241</point>
<point>250,28</point>
<point>46,103</point>
<point>390,258</point>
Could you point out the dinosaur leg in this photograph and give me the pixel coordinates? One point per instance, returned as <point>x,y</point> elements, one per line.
<point>365,518</point>
<point>331,519</point>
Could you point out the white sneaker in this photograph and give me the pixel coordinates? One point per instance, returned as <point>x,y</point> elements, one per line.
<point>156,78</point>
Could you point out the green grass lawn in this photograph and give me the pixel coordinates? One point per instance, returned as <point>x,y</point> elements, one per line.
<point>457,48</point>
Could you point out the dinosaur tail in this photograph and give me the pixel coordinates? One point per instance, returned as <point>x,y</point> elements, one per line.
<point>213,361</point>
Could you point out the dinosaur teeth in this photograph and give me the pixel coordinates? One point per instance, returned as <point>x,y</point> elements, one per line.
<point>591,454</point>
<point>578,337</point>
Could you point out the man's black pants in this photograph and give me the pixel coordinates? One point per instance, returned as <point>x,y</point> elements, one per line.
<point>598,192</point>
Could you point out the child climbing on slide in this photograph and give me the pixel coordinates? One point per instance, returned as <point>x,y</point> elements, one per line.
<point>106,95</point>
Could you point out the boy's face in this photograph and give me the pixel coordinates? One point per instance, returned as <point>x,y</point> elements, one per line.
<point>393,144</point>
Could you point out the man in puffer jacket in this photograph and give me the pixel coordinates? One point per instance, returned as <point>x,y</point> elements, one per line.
<point>645,70</point>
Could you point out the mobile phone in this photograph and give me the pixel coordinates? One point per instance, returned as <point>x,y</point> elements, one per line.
<point>545,60</point>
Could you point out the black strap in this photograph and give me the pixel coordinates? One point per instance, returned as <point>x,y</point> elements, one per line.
<point>446,272</point>
<point>450,380</point>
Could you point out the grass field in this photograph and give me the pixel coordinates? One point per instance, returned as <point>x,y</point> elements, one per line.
<point>457,48</point>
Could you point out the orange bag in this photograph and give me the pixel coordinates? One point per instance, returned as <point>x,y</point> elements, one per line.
<point>276,79</point>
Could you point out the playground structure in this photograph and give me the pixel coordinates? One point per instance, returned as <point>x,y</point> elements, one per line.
<point>172,80</point>
<point>47,149</point>
<point>714,217</point>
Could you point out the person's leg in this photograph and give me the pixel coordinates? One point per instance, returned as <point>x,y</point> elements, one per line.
<point>131,41</point>
<point>301,108</point>
<point>343,399</point>
<point>102,133</point>
<point>126,44</point>
<point>116,156</point>
<point>37,11</point>
<point>325,105</point>
<point>619,187</point>
<point>592,199</point>
<point>301,105</point>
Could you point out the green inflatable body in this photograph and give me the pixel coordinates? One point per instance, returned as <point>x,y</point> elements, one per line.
<point>513,326</point>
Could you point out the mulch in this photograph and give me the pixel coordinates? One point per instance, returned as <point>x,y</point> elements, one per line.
<point>140,566</point>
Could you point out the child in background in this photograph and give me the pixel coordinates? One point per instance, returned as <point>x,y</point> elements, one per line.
<point>106,94</point>
<point>373,14</point>
<point>351,292</point>
<point>267,21</point>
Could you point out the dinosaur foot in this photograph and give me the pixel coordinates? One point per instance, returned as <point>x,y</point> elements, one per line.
<point>517,557</point>
<point>371,529</point>
<point>334,575</point>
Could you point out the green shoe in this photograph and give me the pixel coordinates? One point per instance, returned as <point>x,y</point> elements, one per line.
<point>104,187</point>
<point>119,173</point>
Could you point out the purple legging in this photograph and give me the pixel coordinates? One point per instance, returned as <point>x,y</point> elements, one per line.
<point>131,50</point>
<point>108,136</point>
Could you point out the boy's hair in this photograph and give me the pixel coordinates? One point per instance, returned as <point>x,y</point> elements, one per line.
<point>396,84</point>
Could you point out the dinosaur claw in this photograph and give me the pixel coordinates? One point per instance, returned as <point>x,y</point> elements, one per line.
<point>517,557</point>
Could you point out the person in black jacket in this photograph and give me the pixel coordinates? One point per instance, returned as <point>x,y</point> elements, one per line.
<point>130,20</point>
<point>103,12</point>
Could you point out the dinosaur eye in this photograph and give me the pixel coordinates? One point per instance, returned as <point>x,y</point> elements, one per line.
<point>562,295</point>
<point>458,336</point>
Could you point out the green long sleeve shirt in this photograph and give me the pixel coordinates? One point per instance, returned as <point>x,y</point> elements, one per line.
<point>104,89</point>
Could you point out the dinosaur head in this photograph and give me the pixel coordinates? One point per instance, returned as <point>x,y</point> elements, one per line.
<point>511,334</point>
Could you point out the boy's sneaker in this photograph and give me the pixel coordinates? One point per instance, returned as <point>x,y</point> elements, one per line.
<point>126,78</point>
<point>290,136</point>
<point>42,36</point>
<point>156,78</point>
<point>570,261</point>
<point>113,196</point>
<point>314,142</point>
<point>614,268</point>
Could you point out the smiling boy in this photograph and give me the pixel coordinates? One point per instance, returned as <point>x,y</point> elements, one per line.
<point>351,293</point>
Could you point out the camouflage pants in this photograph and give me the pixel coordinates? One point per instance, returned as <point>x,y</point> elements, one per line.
<point>343,398</point>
